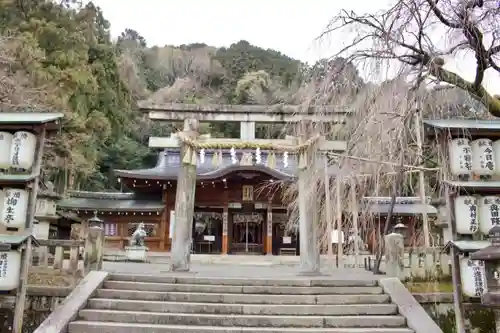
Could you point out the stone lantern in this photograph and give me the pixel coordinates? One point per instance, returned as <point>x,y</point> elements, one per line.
<point>96,222</point>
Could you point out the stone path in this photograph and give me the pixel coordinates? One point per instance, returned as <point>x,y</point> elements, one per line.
<point>235,270</point>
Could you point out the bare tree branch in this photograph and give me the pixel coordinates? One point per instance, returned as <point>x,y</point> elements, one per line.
<point>408,34</point>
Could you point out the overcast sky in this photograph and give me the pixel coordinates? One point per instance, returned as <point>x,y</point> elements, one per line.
<point>284,25</point>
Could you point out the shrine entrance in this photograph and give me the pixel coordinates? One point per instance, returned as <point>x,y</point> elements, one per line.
<point>248,233</point>
<point>248,236</point>
<point>207,231</point>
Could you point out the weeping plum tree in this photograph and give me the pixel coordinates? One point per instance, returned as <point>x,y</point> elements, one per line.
<point>403,46</point>
<point>423,35</point>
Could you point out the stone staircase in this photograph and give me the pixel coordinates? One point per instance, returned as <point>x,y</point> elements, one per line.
<point>190,304</point>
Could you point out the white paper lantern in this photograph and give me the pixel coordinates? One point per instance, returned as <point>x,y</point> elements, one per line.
<point>22,153</point>
<point>489,213</point>
<point>483,159</point>
<point>460,156</point>
<point>473,277</point>
<point>466,213</point>
<point>1,200</point>
<point>5,147</point>
<point>15,205</point>
<point>10,269</point>
<point>496,154</point>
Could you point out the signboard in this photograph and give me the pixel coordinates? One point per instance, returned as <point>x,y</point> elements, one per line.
<point>247,194</point>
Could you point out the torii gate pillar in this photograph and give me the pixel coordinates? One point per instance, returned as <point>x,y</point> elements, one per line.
<point>184,207</point>
<point>308,207</point>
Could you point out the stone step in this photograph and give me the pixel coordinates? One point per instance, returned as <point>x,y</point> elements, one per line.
<point>240,320</point>
<point>102,327</point>
<point>221,281</point>
<point>241,298</point>
<point>238,289</point>
<point>243,309</point>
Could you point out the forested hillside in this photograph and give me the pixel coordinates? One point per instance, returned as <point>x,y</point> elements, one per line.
<point>59,56</point>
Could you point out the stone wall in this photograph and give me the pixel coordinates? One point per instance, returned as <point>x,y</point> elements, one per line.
<point>41,301</point>
<point>440,307</point>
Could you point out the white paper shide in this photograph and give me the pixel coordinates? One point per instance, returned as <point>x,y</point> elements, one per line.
<point>473,277</point>
<point>489,215</point>
<point>15,205</point>
<point>5,146</point>
<point>22,153</point>
<point>483,160</point>
<point>10,268</point>
<point>466,215</point>
<point>460,157</point>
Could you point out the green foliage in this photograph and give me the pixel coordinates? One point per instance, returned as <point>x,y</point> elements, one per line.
<point>61,58</point>
<point>481,320</point>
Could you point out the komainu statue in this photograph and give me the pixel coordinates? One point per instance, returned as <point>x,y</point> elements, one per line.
<point>137,238</point>
<point>394,251</point>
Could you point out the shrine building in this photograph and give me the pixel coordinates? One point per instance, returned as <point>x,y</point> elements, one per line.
<point>250,193</point>
<point>245,188</point>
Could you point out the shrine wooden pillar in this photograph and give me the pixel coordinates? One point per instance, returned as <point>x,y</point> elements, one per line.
<point>225,228</point>
<point>164,220</point>
<point>269,222</point>
<point>225,222</point>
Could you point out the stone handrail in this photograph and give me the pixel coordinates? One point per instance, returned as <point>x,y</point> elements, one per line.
<point>76,257</point>
<point>417,318</point>
<point>58,320</point>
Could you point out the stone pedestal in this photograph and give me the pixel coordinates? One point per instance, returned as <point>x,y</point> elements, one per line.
<point>136,253</point>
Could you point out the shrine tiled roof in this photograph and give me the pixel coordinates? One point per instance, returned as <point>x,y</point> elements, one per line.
<point>109,201</point>
<point>169,162</point>
<point>402,206</point>
<point>16,178</point>
<point>24,118</point>
<point>464,124</point>
<point>467,246</point>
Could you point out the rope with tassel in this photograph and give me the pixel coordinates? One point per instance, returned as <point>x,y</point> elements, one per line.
<point>191,146</point>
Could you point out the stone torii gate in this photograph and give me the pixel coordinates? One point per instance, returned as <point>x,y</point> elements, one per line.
<point>306,146</point>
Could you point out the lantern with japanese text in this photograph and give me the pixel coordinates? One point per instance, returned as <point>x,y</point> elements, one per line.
<point>22,153</point>
<point>496,154</point>
<point>473,277</point>
<point>483,160</point>
<point>2,195</point>
<point>10,268</point>
<point>466,215</point>
<point>489,214</point>
<point>5,147</point>
<point>460,157</point>
<point>15,205</point>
